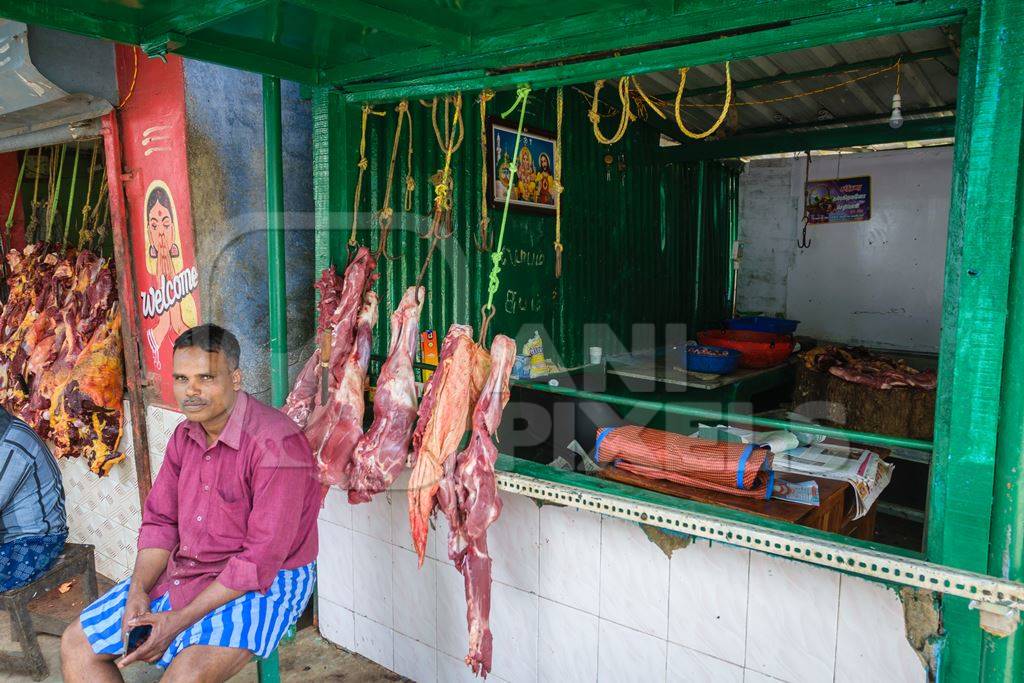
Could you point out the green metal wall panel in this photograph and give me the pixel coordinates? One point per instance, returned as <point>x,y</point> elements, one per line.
<point>629,256</point>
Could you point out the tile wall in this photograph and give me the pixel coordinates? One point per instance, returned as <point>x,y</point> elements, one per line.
<point>584,597</point>
<point>105,511</point>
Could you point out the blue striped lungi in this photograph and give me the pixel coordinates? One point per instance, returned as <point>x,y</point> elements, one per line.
<point>254,621</point>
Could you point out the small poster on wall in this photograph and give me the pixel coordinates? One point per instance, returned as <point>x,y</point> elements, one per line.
<point>842,200</point>
<point>535,167</point>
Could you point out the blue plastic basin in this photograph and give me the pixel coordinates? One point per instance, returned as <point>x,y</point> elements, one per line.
<point>715,365</point>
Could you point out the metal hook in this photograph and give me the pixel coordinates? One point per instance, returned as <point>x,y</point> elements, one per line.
<point>386,219</point>
<point>485,321</point>
<point>803,242</point>
<point>484,241</point>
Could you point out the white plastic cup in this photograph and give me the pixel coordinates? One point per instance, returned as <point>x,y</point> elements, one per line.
<point>595,355</point>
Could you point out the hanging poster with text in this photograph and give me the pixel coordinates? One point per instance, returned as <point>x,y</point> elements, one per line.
<point>159,210</point>
<point>841,200</point>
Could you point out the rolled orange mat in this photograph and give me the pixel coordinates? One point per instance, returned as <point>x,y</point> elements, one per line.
<point>739,469</point>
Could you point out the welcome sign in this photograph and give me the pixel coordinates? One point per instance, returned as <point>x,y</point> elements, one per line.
<point>159,210</point>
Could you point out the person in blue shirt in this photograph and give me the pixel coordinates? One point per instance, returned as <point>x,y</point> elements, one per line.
<point>33,524</point>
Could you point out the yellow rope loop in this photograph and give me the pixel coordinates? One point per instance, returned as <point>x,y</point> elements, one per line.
<point>625,118</point>
<point>447,141</point>
<point>362,165</point>
<point>721,117</point>
<point>402,109</point>
<point>483,243</point>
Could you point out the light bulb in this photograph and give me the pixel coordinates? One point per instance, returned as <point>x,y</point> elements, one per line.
<point>896,119</point>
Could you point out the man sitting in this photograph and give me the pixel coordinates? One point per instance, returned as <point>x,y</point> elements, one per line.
<point>228,538</point>
<point>33,526</point>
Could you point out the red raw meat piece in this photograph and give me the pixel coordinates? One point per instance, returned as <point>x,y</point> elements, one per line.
<point>468,496</point>
<point>359,276</point>
<point>384,449</point>
<point>346,406</point>
<point>442,420</point>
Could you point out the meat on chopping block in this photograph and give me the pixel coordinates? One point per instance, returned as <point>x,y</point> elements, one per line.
<point>443,418</point>
<point>468,496</point>
<point>383,451</point>
<point>359,276</point>
<point>346,406</point>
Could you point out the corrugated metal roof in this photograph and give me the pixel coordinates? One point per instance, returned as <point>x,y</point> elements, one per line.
<point>927,73</point>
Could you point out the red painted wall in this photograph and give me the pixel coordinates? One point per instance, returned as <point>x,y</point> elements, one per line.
<point>158,206</point>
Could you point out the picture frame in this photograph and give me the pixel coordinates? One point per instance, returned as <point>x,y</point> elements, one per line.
<point>534,187</point>
<point>838,200</point>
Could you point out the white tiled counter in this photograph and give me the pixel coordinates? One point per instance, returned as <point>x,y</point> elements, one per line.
<point>579,596</point>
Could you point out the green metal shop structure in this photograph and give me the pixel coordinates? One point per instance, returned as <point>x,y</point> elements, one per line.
<point>359,52</point>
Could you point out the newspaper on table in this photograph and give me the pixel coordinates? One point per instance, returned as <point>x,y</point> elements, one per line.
<point>864,470</point>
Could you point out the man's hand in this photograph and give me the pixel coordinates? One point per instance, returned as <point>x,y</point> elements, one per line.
<point>166,627</point>
<point>136,605</point>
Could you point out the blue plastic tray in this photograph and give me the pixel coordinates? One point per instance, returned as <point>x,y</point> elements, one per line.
<point>758,323</point>
<point>715,365</point>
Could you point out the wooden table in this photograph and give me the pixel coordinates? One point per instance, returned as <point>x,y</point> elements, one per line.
<point>655,365</point>
<point>834,514</point>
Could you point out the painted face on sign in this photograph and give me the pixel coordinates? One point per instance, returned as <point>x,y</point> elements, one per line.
<point>161,228</point>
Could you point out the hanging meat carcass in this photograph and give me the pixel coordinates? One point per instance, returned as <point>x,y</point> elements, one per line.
<point>346,406</point>
<point>85,413</point>
<point>60,351</point>
<point>359,276</point>
<point>303,395</point>
<point>347,313</point>
<point>383,451</point>
<point>468,497</point>
<point>443,418</point>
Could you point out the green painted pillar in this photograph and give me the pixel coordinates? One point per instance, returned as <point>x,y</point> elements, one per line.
<point>1002,657</point>
<point>275,240</point>
<point>977,338</point>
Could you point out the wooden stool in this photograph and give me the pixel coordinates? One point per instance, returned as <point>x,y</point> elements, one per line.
<point>75,560</point>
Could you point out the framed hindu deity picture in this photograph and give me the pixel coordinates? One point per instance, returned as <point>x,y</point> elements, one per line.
<point>534,180</point>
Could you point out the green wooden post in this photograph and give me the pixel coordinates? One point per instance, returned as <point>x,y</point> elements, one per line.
<point>1001,57</point>
<point>275,240</point>
<point>974,330</point>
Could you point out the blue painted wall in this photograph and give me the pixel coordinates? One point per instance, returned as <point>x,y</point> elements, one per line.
<point>224,110</point>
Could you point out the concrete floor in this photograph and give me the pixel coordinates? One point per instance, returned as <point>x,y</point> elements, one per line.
<point>306,659</point>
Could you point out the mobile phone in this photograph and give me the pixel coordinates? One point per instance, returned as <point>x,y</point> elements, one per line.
<point>137,636</point>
